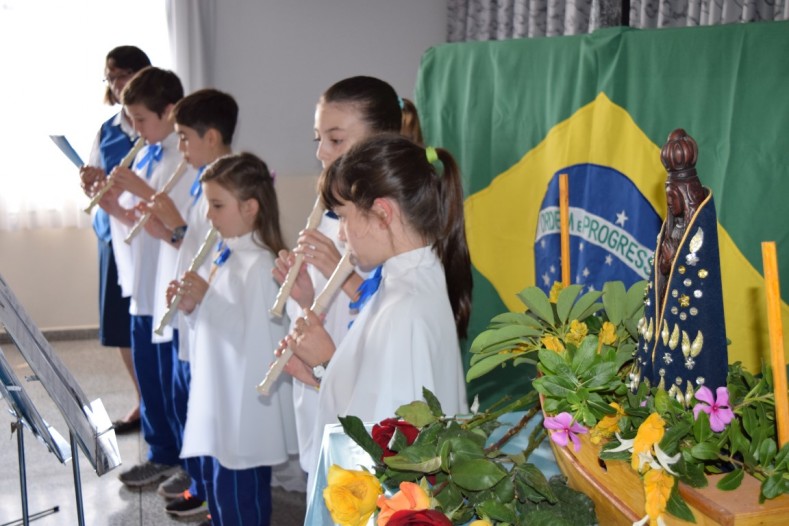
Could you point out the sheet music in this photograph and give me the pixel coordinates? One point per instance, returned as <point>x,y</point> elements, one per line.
<point>68,150</point>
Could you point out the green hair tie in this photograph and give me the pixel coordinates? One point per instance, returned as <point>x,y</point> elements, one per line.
<point>432,154</point>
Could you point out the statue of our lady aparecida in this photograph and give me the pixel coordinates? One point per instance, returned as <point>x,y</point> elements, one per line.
<point>682,336</point>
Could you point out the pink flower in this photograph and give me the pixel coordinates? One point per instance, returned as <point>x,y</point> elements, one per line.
<point>719,410</point>
<point>564,428</point>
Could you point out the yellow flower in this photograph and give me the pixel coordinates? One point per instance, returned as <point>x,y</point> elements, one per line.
<point>557,287</point>
<point>608,425</point>
<point>657,489</point>
<point>350,496</point>
<point>410,497</point>
<point>607,334</point>
<point>552,343</point>
<point>650,432</point>
<point>481,522</point>
<point>578,331</point>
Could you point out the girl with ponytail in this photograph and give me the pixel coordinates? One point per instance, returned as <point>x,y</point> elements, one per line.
<point>400,207</point>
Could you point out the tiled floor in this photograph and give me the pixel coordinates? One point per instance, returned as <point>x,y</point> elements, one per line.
<point>100,374</point>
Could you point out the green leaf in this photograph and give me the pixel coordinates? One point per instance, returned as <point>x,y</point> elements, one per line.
<point>354,428</point>
<point>538,303</point>
<point>506,337</point>
<point>771,487</point>
<point>614,301</point>
<point>565,301</point>
<point>484,365</point>
<point>601,374</point>
<point>417,413</point>
<point>515,318</point>
<point>497,511</point>
<point>694,475</point>
<point>705,451</point>
<point>414,458</point>
<point>554,363</point>
<point>673,435</point>
<point>584,357</point>
<point>450,497</point>
<point>586,305</point>
<point>767,451</point>
<point>634,300</point>
<point>701,427</point>
<point>677,506</point>
<point>731,481</point>
<point>554,386</point>
<point>782,459</point>
<point>476,474</point>
<point>531,484</point>
<point>432,402</point>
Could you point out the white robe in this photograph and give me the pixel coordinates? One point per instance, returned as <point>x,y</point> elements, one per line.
<point>404,339</point>
<point>167,269</point>
<point>233,342</point>
<point>338,316</point>
<point>193,240</point>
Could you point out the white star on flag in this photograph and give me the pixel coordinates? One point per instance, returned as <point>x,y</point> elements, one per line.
<point>621,218</point>
<point>546,279</point>
<point>553,269</point>
<point>586,272</point>
<point>609,260</point>
<point>542,243</point>
<point>581,246</point>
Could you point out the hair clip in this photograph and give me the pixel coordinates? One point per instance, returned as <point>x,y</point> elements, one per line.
<point>432,154</point>
<point>400,102</point>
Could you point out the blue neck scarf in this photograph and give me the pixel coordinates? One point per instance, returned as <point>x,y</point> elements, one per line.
<point>224,253</point>
<point>197,189</point>
<point>367,289</point>
<point>153,154</point>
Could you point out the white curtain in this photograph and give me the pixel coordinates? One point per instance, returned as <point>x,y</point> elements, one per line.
<point>503,19</point>
<point>192,34</point>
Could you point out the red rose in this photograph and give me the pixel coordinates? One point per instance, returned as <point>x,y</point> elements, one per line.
<point>419,518</point>
<point>385,430</point>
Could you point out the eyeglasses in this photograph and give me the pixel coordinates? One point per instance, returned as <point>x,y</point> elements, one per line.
<point>122,75</point>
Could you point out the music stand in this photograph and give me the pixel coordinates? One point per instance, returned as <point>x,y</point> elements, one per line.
<point>89,425</point>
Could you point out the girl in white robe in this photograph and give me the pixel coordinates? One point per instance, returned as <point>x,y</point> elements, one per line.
<point>350,110</point>
<point>242,432</point>
<point>400,207</point>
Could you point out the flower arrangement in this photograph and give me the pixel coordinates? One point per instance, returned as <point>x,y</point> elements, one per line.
<point>440,470</point>
<point>582,346</point>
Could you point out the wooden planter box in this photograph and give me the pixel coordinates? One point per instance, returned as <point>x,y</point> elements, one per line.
<point>618,493</point>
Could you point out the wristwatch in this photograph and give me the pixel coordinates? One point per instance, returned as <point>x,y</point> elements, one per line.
<point>319,371</point>
<point>178,234</point>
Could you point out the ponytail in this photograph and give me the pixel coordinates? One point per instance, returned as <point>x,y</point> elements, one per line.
<point>451,245</point>
<point>410,127</point>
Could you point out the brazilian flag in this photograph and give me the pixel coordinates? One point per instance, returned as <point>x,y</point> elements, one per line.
<point>599,107</point>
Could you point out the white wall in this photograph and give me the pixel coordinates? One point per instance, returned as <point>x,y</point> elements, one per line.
<point>276,58</point>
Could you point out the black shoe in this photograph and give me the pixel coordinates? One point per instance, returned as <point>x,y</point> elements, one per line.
<point>186,505</point>
<point>126,426</point>
<point>146,473</point>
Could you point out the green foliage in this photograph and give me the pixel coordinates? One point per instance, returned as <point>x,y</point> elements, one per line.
<point>471,478</point>
<point>582,375</point>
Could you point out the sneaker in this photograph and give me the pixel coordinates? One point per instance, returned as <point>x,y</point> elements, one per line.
<point>146,473</point>
<point>186,505</point>
<point>173,487</point>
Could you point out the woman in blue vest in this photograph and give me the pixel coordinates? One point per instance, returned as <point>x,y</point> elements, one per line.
<point>113,141</point>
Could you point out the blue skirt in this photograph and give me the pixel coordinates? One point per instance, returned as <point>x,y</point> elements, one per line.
<point>114,321</point>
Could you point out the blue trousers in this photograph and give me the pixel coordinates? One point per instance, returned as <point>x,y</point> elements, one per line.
<point>153,365</point>
<point>181,379</point>
<point>237,497</point>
